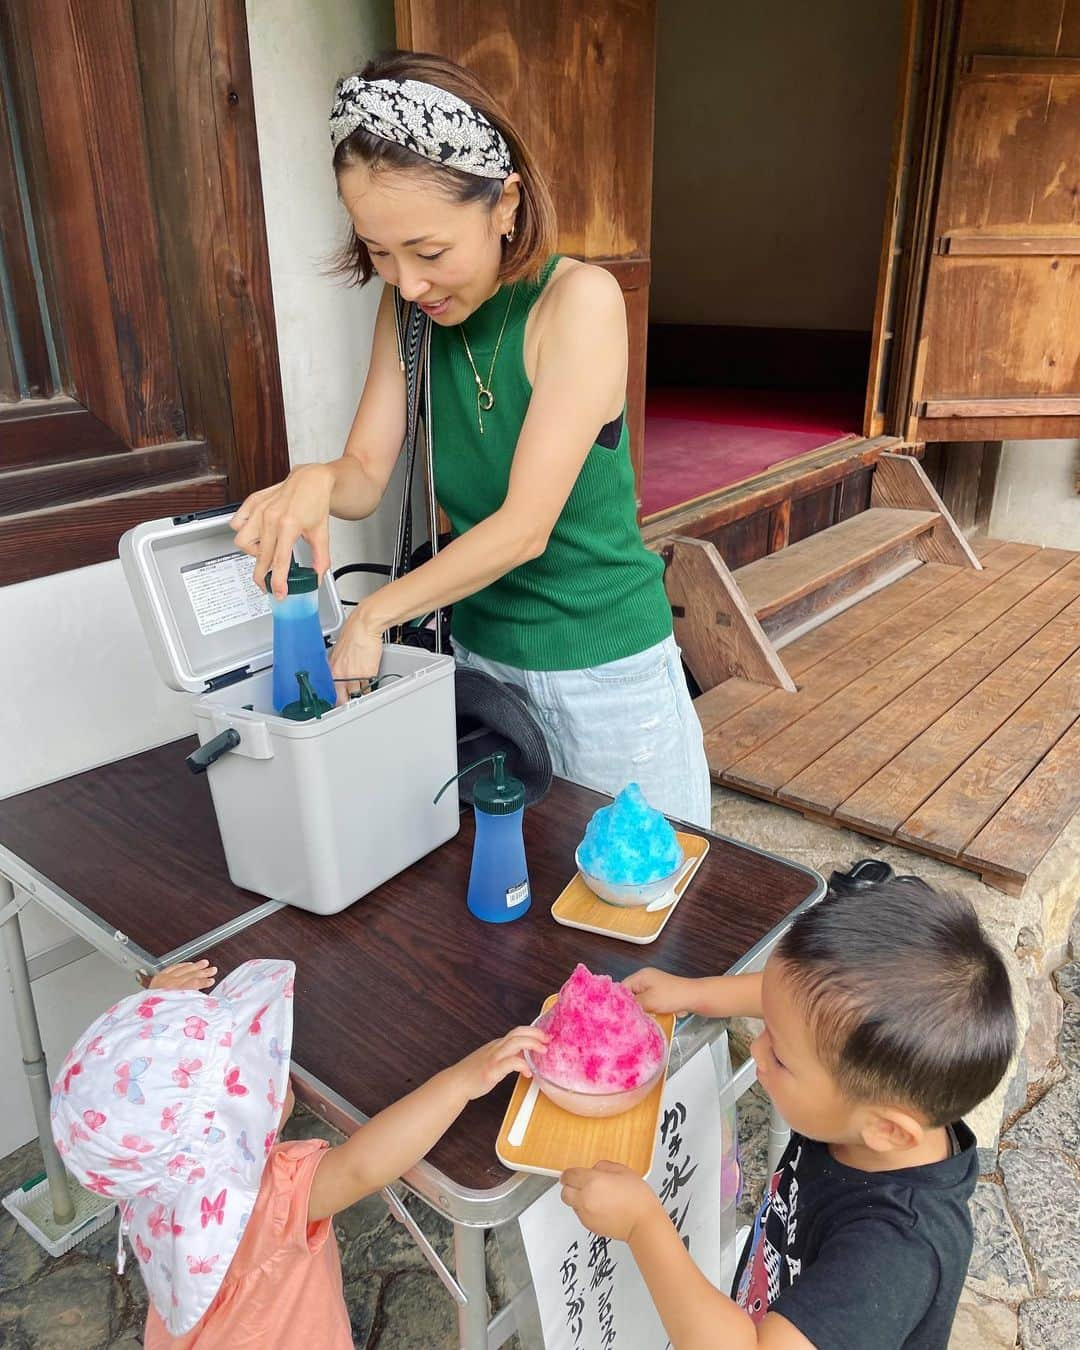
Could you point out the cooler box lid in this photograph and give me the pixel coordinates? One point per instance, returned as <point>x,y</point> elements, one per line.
<point>202,614</point>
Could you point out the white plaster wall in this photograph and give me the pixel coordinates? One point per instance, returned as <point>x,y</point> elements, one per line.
<point>773,132</point>
<point>80,688</point>
<point>1035,500</point>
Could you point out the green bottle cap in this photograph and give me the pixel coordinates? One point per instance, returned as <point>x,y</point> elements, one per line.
<point>499,795</point>
<point>301,580</point>
<point>309,705</point>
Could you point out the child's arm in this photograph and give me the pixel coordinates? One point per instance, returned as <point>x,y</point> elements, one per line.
<point>397,1138</point>
<point>718,996</point>
<point>612,1200</point>
<point>185,975</point>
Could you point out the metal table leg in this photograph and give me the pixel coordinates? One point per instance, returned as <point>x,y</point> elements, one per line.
<point>779,1134</point>
<point>33,1055</point>
<point>472,1277</point>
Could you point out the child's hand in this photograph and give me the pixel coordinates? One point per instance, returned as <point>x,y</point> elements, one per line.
<point>489,1065</point>
<point>185,975</point>
<point>609,1199</point>
<point>659,992</point>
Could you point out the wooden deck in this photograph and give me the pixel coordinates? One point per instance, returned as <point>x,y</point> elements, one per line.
<point>942,713</point>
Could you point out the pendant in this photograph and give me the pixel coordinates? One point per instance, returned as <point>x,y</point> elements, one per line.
<point>485,398</point>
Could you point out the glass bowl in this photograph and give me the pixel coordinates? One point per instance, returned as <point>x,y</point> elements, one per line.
<point>594,1104</point>
<point>627,894</point>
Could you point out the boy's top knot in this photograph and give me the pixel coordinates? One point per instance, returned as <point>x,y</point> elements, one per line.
<point>170,1103</point>
<point>908,999</point>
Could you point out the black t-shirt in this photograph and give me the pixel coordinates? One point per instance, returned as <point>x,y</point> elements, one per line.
<point>862,1260</point>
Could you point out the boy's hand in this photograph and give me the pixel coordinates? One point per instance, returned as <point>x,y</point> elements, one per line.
<point>185,975</point>
<point>659,992</point>
<point>609,1199</point>
<point>489,1065</point>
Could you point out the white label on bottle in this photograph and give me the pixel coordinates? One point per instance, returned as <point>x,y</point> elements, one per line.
<point>516,895</point>
<point>222,593</point>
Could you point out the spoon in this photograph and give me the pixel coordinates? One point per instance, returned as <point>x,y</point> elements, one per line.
<point>516,1136</point>
<point>666,900</point>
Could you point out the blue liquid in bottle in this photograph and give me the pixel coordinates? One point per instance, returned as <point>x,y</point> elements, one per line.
<point>298,640</point>
<point>499,879</point>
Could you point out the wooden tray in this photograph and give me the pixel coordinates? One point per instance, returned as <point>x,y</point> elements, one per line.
<point>556,1140</point>
<point>578,907</point>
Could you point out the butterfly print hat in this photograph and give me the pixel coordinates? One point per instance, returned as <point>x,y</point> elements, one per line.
<point>170,1103</point>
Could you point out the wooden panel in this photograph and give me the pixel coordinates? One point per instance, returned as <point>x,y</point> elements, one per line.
<point>41,542</point>
<point>854,494</point>
<point>903,783</point>
<point>1019,835</point>
<point>914,700</point>
<point>1001,407</point>
<point>957,811</point>
<point>1000,244</point>
<point>832,667</point>
<point>780,526</point>
<point>819,468</point>
<point>1041,66</point>
<point>996,428</point>
<point>743,540</point>
<point>778,762</point>
<point>772,583</point>
<point>59,484</point>
<point>902,482</point>
<point>714,626</point>
<point>54,432</point>
<point>812,512</point>
<point>112,289</point>
<point>1001,333</point>
<point>577,80</point>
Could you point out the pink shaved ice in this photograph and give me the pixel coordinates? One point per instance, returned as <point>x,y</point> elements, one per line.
<point>601,1041</point>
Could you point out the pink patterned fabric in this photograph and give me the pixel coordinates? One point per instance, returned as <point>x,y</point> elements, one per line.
<point>170,1104</point>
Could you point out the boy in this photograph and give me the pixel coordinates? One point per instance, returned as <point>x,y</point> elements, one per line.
<point>887,1016</point>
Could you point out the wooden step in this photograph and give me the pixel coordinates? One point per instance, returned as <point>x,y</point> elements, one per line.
<point>879,536</point>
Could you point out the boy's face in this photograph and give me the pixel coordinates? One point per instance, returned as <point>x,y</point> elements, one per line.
<point>791,1071</point>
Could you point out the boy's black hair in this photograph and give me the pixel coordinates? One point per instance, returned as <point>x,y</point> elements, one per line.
<point>908,1000</point>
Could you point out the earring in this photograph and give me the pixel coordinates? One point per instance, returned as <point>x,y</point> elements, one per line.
<point>509,235</point>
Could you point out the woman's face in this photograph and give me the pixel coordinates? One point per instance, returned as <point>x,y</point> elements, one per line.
<point>443,254</point>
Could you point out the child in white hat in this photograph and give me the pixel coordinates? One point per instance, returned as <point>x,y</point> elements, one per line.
<point>171,1103</point>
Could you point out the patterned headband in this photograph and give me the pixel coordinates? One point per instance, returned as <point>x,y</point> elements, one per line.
<point>429,121</point>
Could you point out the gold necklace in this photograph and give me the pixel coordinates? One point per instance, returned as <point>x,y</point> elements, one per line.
<point>485,399</point>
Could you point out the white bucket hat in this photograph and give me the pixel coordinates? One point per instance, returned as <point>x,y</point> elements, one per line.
<point>170,1102</point>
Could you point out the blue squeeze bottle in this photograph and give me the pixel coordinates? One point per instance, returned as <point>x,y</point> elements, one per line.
<point>298,639</point>
<point>499,877</point>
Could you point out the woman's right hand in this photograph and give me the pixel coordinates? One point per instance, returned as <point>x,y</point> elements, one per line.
<point>269,522</point>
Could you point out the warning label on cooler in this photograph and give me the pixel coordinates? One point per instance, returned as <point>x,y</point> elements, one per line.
<point>222,593</point>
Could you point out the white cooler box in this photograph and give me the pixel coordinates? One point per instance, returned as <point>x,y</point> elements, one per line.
<point>316,813</point>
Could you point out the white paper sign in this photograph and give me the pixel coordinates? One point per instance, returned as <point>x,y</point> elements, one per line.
<point>589,1291</point>
<point>222,593</point>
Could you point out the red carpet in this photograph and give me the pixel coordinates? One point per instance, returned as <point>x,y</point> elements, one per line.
<point>698,440</point>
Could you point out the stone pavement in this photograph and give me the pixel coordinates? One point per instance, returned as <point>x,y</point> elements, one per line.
<point>1023,1287</point>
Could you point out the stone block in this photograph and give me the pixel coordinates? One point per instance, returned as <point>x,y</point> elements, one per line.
<point>1067,979</point>
<point>75,1305</point>
<point>982,1324</point>
<point>1043,1194</point>
<point>1049,1324</point>
<point>1053,1122</point>
<point>417,1311</point>
<point>998,1269</point>
<point>1069,1044</point>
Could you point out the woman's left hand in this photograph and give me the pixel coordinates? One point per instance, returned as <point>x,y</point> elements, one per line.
<point>356,656</point>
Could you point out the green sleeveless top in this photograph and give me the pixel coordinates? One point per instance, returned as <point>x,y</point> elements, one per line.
<point>595,594</point>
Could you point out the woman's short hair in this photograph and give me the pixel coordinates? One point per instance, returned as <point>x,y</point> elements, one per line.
<point>535,225</point>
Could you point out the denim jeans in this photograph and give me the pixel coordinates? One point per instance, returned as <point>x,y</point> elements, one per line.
<point>628,721</point>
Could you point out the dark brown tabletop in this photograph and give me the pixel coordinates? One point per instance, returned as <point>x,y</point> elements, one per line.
<point>136,842</point>
<point>407,981</point>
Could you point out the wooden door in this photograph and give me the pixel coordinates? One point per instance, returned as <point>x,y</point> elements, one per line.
<point>577,77</point>
<point>991,296</point>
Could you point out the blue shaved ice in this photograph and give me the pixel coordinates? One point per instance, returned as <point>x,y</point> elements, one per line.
<point>629,843</point>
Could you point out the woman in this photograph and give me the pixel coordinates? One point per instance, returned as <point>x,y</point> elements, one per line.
<point>551,584</point>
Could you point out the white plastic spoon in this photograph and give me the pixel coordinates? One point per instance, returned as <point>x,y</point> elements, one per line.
<point>666,900</point>
<point>516,1136</point>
